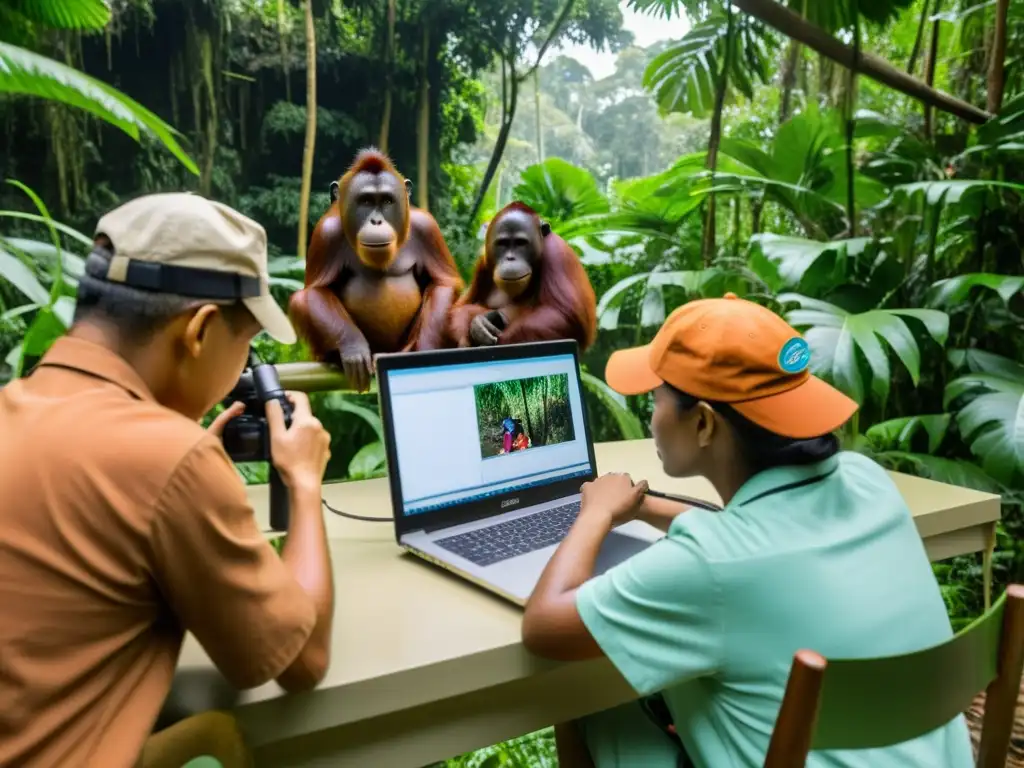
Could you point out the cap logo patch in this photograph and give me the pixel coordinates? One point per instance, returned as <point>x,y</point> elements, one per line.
<point>795,356</point>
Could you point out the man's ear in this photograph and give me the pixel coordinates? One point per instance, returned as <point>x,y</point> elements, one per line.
<point>545,229</point>
<point>334,191</point>
<point>197,327</point>
<point>408,188</point>
<point>706,424</point>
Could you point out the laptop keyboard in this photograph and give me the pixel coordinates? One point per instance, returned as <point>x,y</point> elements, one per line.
<point>512,538</point>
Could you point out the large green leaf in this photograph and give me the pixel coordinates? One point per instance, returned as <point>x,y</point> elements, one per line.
<point>560,192</point>
<point>47,255</point>
<point>899,434</point>
<point>610,305</point>
<point>948,192</point>
<point>63,14</point>
<point>994,425</point>
<point>684,77</point>
<point>369,461</point>
<point>28,73</point>
<point>837,336</point>
<point>340,402</point>
<point>798,258</point>
<point>949,471</point>
<point>21,276</point>
<point>629,425</point>
<point>46,327</point>
<point>63,228</point>
<point>991,421</point>
<point>979,361</point>
<point>955,290</point>
<point>962,388</point>
<point>804,171</point>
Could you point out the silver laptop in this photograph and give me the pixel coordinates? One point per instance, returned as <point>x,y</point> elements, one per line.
<point>487,449</point>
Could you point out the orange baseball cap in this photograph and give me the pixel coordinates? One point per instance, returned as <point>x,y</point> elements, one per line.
<point>734,351</point>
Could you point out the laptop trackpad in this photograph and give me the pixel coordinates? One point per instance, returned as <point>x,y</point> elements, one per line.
<point>616,548</point>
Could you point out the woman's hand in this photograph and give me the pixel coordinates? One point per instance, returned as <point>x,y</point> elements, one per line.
<point>614,495</point>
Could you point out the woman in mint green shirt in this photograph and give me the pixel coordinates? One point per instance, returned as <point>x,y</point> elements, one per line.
<point>815,548</point>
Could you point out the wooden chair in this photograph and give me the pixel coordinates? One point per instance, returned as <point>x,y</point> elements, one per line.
<point>869,703</point>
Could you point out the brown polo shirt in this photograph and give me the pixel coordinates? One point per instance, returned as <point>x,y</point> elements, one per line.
<point>122,525</point>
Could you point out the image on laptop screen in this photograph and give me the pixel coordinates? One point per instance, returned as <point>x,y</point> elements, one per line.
<point>469,431</point>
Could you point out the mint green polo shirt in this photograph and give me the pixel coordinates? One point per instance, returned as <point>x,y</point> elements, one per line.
<point>825,557</point>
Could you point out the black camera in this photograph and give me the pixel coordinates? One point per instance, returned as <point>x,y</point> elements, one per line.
<point>247,436</point>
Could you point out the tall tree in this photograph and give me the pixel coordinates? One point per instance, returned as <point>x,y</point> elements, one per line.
<point>423,132</point>
<point>514,36</point>
<point>310,143</point>
<point>282,36</point>
<point>389,74</point>
<point>726,52</point>
<point>997,64</point>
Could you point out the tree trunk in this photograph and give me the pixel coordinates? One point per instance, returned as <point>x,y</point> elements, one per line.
<point>851,126</point>
<point>790,24</point>
<point>212,118</point>
<point>919,39</point>
<point>737,216</point>
<point>508,107</point>
<point>789,68</point>
<point>929,75</point>
<point>788,80</point>
<point>307,151</point>
<point>526,410</point>
<point>389,67</point>
<point>423,139</point>
<point>996,73</point>
<point>537,120</point>
<point>714,140</point>
<point>510,83</point>
<point>282,36</point>
<point>544,411</point>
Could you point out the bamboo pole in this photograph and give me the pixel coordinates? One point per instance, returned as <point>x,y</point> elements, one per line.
<point>311,377</point>
<point>793,26</point>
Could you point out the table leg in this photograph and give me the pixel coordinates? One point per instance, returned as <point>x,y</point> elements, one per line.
<point>986,564</point>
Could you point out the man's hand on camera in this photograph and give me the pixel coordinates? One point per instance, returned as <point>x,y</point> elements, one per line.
<point>216,427</point>
<point>300,452</point>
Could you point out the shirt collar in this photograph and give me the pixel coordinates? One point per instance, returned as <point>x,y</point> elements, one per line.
<point>95,360</point>
<point>778,479</point>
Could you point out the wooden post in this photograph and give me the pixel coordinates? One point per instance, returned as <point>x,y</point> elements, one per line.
<point>792,25</point>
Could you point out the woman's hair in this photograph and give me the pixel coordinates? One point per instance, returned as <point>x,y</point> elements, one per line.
<point>761,448</point>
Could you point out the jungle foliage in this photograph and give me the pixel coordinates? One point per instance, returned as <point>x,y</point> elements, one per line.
<point>732,159</point>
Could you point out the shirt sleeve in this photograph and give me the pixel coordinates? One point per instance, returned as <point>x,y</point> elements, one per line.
<point>222,578</point>
<point>657,615</point>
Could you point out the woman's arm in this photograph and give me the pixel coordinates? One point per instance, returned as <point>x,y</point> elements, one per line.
<point>660,512</point>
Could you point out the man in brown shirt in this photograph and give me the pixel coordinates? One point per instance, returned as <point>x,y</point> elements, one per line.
<point>123,523</point>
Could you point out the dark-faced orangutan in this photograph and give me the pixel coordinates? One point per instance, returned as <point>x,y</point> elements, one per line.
<point>379,277</point>
<point>528,285</point>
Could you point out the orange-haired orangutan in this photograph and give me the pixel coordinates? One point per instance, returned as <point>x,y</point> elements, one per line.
<point>379,277</point>
<point>528,285</point>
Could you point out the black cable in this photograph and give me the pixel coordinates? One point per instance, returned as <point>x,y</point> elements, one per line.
<point>699,503</point>
<point>362,518</point>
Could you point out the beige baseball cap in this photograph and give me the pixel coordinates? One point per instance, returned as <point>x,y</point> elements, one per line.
<point>185,244</point>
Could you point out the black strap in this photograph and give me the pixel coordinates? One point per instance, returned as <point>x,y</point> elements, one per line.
<point>190,281</point>
<point>789,486</point>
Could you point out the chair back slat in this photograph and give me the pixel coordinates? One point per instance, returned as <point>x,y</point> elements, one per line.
<point>870,703</point>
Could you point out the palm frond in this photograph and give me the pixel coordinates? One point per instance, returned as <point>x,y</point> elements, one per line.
<point>63,14</point>
<point>28,73</point>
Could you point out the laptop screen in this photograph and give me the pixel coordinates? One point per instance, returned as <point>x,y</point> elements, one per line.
<point>465,432</point>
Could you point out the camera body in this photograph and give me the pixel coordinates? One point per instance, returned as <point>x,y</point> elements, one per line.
<point>246,437</point>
